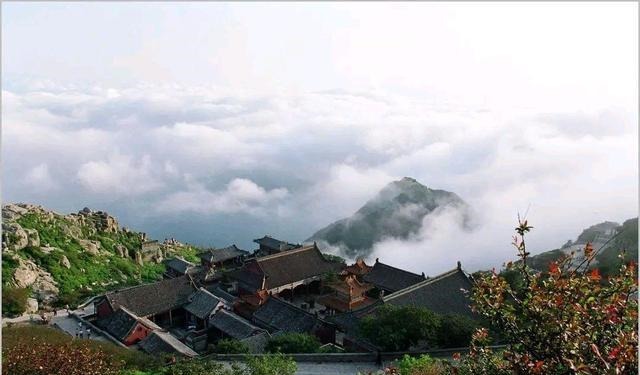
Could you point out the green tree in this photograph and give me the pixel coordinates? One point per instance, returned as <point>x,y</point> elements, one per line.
<point>455,331</point>
<point>566,321</point>
<point>293,343</point>
<point>231,346</point>
<point>276,364</point>
<point>398,328</point>
<point>14,301</point>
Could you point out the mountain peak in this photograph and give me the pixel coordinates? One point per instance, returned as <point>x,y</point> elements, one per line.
<point>397,211</point>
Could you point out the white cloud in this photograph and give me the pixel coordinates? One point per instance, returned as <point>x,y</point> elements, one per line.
<point>39,179</point>
<point>119,175</point>
<point>297,162</point>
<point>240,196</point>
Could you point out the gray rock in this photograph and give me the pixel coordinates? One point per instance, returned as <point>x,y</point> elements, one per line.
<point>65,262</point>
<point>91,247</point>
<point>32,306</point>
<point>33,237</point>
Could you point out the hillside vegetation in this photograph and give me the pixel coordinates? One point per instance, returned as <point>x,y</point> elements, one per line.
<point>396,212</point>
<point>64,259</point>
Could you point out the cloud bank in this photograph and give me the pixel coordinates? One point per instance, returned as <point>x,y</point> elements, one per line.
<point>215,167</point>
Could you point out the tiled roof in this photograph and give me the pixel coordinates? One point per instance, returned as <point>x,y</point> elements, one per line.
<point>278,315</point>
<point>442,294</point>
<point>218,292</point>
<point>224,254</point>
<point>179,265</point>
<point>154,298</point>
<point>160,341</point>
<point>233,325</point>
<point>390,278</point>
<point>202,303</point>
<point>274,244</point>
<point>120,323</point>
<point>359,268</point>
<point>284,268</point>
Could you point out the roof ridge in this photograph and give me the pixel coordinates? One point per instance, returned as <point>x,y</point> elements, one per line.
<point>396,268</point>
<point>284,253</point>
<point>115,291</point>
<point>238,318</point>
<point>421,284</point>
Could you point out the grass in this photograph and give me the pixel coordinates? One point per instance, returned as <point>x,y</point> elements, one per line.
<point>89,274</point>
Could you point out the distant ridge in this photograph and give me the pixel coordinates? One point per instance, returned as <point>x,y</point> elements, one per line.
<point>396,211</point>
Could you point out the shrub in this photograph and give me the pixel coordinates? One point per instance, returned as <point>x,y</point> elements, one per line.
<point>293,343</point>
<point>14,301</point>
<point>398,328</point>
<point>276,364</point>
<point>231,346</point>
<point>423,365</point>
<point>41,350</point>
<point>455,331</point>
<point>569,320</point>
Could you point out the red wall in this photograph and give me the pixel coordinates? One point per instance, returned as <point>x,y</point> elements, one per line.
<point>137,333</point>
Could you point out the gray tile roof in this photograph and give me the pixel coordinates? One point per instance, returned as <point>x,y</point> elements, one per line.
<point>233,325</point>
<point>118,324</point>
<point>441,294</point>
<point>147,299</point>
<point>179,265</point>
<point>391,278</point>
<point>274,244</point>
<point>278,315</point>
<point>224,254</point>
<point>160,341</point>
<point>121,322</point>
<point>284,268</point>
<point>202,303</point>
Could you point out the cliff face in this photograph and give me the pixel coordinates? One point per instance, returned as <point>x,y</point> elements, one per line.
<point>397,211</point>
<point>66,258</point>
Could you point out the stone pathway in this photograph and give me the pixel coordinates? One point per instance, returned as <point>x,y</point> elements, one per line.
<point>336,368</point>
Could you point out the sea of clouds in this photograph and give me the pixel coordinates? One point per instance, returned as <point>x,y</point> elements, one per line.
<point>213,167</point>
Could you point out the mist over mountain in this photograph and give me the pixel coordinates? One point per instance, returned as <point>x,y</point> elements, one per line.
<point>609,239</point>
<point>396,212</point>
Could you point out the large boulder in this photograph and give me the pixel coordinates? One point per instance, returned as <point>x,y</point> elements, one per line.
<point>32,306</point>
<point>65,262</point>
<point>122,251</point>
<point>91,247</point>
<point>28,274</point>
<point>15,237</point>
<point>33,237</point>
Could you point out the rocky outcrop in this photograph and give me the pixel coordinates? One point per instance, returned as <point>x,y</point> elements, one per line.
<point>28,274</point>
<point>14,236</point>
<point>122,251</point>
<point>90,246</point>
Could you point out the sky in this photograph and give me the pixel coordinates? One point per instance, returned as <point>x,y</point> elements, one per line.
<point>217,123</point>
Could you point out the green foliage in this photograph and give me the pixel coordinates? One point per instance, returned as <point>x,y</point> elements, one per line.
<point>42,350</point>
<point>231,346</point>
<point>398,328</point>
<point>276,364</point>
<point>423,365</point>
<point>625,244</point>
<point>455,331</point>
<point>9,266</point>
<point>334,258</point>
<point>89,274</point>
<point>14,300</point>
<point>196,367</point>
<point>566,321</point>
<point>293,343</point>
